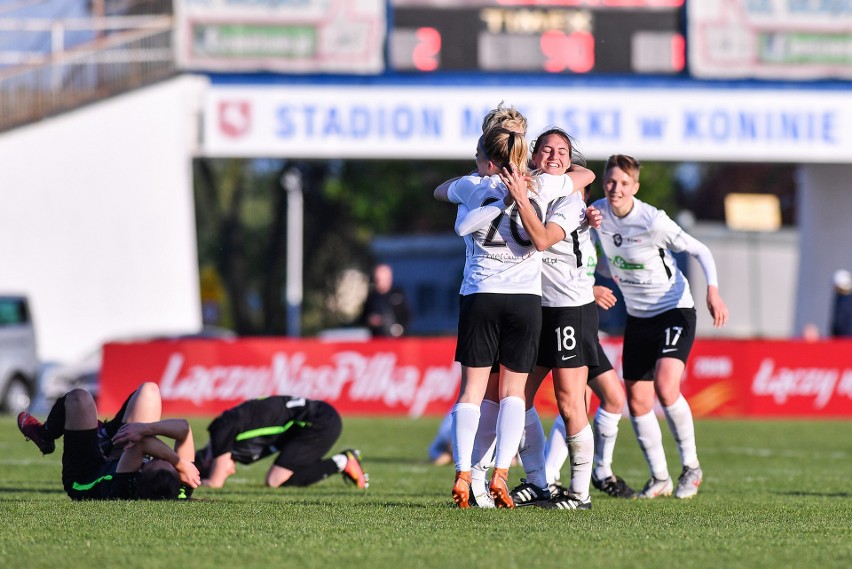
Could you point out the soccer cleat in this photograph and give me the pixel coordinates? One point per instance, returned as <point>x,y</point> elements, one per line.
<point>656,487</point>
<point>480,497</point>
<point>567,501</point>
<point>185,492</point>
<point>557,489</point>
<point>527,494</point>
<point>614,486</point>
<point>688,483</point>
<point>499,488</point>
<point>34,430</point>
<point>461,489</point>
<point>353,472</point>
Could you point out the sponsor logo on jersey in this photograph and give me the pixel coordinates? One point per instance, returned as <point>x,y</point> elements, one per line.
<point>624,265</point>
<point>591,264</point>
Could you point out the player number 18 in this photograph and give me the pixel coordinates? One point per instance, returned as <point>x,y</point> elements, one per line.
<point>565,339</point>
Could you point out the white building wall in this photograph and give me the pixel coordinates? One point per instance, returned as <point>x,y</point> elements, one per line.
<point>757,280</point>
<point>97,222</point>
<point>824,194</point>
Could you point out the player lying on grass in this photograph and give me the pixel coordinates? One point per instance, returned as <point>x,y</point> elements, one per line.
<point>300,430</point>
<point>120,459</point>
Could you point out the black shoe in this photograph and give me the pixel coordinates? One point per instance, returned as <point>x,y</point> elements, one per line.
<point>567,501</point>
<point>614,486</point>
<point>185,492</point>
<point>556,489</point>
<point>527,494</point>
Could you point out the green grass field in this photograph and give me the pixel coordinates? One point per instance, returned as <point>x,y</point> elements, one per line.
<point>775,494</point>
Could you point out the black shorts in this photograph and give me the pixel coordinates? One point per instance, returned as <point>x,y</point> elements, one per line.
<point>108,429</point>
<point>568,336</point>
<point>667,335</point>
<point>83,466</point>
<point>604,365</point>
<point>304,445</point>
<point>499,327</point>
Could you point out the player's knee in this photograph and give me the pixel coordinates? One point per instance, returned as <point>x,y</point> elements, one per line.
<point>79,399</point>
<point>149,389</point>
<point>614,400</point>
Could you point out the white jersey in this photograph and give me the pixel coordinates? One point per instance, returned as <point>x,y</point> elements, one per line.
<point>568,266</point>
<point>500,257</point>
<point>638,250</point>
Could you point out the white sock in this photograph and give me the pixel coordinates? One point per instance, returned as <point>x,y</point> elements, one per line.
<point>606,431</point>
<point>650,439</point>
<point>679,418</point>
<point>532,451</point>
<point>340,460</point>
<point>465,422</point>
<point>485,441</point>
<point>480,490</point>
<point>556,452</point>
<point>510,428</point>
<point>581,448</point>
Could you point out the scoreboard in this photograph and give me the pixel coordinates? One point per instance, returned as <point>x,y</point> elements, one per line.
<point>567,37</point>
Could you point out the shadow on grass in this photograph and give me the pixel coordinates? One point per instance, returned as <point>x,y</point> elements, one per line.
<point>29,490</point>
<point>394,460</point>
<point>818,494</point>
<point>322,503</point>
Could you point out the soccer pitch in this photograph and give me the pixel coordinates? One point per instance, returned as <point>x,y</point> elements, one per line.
<point>776,494</point>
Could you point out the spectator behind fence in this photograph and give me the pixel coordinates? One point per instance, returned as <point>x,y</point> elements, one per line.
<point>841,315</point>
<point>386,311</point>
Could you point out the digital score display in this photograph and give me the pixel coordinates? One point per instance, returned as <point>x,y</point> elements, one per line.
<point>569,37</point>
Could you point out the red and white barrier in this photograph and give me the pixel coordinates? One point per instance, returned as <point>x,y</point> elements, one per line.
<point>414,377</point>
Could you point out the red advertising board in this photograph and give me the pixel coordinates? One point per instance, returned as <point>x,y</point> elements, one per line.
<point>770,379</point>
<point>414,377</point>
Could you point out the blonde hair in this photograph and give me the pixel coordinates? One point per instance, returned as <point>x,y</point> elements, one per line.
<point>505,148</point>
<point>506,117</point>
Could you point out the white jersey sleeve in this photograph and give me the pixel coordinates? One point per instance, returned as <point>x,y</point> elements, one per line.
<point>638,249</point>
<point>673,237</point>
<point>500,256</point>
<point>468,221</point>
<point>568,266</point>
<point>549,187</point>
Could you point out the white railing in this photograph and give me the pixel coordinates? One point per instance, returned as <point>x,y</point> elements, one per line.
<point>122,53</point>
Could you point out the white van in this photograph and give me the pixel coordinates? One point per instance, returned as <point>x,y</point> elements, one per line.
<point>19,363</point>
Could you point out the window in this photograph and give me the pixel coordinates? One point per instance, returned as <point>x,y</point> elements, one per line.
<point>13,311</point>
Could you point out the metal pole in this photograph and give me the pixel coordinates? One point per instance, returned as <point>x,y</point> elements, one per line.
<point>755,284</point>
<point>292,182</point>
